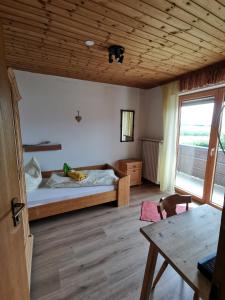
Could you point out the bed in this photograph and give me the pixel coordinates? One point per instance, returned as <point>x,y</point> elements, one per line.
<point>45,202</point>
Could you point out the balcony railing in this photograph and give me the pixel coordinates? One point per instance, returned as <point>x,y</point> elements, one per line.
<point>192,161</point>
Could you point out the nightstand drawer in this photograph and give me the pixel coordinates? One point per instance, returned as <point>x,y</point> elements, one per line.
<point>134,165</point>
<point>123,165</point>
<point>134,172</point>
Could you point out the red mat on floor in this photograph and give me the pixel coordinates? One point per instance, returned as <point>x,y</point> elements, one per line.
<point>149,211</point>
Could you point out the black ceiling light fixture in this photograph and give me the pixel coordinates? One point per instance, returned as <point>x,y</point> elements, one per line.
<point>117,52</point>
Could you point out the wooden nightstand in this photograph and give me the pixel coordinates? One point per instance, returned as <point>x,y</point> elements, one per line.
<point>132,167</point>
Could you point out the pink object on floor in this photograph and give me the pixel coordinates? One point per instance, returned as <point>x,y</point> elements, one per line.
<point>149,211</point>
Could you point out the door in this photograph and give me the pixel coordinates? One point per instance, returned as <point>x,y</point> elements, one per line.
<point>195,128</point>
<point>198,142</point>
<point>14,278</point>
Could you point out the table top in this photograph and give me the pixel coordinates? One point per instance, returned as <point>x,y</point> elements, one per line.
<point>185,239</point>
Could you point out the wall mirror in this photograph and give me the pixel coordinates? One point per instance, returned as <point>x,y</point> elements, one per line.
<point>127,125</point>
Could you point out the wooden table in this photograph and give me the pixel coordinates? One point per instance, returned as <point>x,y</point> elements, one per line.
<point>183,240</point>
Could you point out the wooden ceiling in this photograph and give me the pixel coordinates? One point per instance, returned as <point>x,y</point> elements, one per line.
<point>162,39</point>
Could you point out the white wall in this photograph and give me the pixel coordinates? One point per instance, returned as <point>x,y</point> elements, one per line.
<point>47,113</point>
<point>151,113</point>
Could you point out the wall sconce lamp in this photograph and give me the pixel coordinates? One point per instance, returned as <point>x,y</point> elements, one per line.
<point>78,117</point>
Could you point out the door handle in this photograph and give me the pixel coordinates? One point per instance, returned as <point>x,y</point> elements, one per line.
<point>17,208</point>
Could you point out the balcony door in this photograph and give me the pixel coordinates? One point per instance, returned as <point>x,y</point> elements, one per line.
<point>198,169</point>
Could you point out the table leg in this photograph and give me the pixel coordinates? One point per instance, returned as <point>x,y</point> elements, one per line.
<point>149,272</point>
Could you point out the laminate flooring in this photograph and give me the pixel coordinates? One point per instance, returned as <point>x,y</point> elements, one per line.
<point>98,253</point>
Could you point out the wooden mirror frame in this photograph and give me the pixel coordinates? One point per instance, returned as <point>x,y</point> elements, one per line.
<point>121,125</point>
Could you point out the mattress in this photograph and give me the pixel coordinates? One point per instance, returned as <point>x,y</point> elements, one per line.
<point>45,195</point>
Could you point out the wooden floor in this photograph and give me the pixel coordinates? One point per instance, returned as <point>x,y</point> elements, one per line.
<point>98,253</point>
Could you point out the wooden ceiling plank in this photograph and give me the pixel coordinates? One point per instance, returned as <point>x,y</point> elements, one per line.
<point>130,45</point>
<point>128,76</point>
<point>29,53</point>
<point>81,62</point>
<point>67,73</point>
<point>198,37</point>
<point>29,16</point>
<point>82,19</point>
<point>51,50</point>
<point>10,19</point>
<point>71,59</point>
<point>72,6</point>
<point>189,58</point>
<point>139,25</point>
<point>46,64</point>
<point>202,36</point>
<point>194,22</point>
<point>222,2</point>
<point>174,68</point>
<point>10,7</point>
<point>135,39</point>
<point>160,69</point>
<point>184,43</point>
<point>69,62</point>
<point>48,36</point>
<point>204,28</point>
<point>199,27</point>
<point>174,38</point>
<point>136,32</point>
<point>32,31</point>
<point>153,52</point>
<point>150,59</point>
<point>62,25</point>
<point>200,12</point>
<point>202,39</point>
<point>139,31</point>
<point>35,69</point>
<point>213,6</point>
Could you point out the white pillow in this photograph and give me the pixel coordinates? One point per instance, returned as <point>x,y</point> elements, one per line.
<point>33,175</point>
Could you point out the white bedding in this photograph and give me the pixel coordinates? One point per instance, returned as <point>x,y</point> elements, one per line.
<point>44,195</point>
<point>94,178</point>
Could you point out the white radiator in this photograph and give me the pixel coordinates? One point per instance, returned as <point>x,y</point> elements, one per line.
<point>151,151</point>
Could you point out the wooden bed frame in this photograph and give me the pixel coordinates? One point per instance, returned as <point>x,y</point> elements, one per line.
<point>121,196</point>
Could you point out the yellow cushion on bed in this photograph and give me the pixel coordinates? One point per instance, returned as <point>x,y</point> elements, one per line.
<point>77,175</point>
